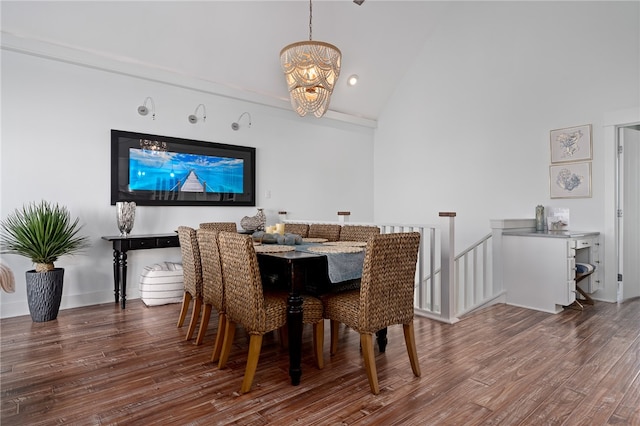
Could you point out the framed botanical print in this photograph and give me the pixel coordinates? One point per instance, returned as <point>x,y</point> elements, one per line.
<point>570,180</point>
<point>571,144</point>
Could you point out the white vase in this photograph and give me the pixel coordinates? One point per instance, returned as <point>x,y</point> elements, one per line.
<point>126,214</point>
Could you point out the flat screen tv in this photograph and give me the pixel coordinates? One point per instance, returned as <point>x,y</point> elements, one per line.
<point>157,170</point>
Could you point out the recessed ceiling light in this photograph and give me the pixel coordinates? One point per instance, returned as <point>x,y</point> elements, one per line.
<point>352,80</point>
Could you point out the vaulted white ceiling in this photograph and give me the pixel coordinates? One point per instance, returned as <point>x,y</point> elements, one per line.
<point>237,44</point>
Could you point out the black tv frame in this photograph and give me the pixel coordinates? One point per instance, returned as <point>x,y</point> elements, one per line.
<point>122,141</point>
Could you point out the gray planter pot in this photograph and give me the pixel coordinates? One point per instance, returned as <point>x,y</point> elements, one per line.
<point>44,293</point>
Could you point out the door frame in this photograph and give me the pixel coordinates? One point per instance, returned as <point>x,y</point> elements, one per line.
<point>620,231</point>
<point>612,122</point>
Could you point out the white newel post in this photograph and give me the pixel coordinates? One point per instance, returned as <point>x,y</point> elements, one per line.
<point>447,265</point>
<point>343,217</point>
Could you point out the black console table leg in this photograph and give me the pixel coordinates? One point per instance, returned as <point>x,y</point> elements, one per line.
<point>116,279</point>
<point>122,277</point>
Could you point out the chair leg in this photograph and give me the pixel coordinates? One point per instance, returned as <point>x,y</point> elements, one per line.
<point>195,316</point>
<point>587,298</point>
<point>318,343</point>
<point>335,326</point>
<point>217,346</point>
<point>186,300</point>
<point>204,323</point>
<point>410,340</point>
<point>229,334</point>
<point>255,345</point>
<point>366,341</point>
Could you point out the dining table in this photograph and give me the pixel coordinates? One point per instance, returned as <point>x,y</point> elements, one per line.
<point>298,269</point>
<point>301,270</point>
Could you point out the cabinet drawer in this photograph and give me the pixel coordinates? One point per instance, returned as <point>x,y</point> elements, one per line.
<point>142,243</point>
<point>584,243</point>
<point>168,242</point>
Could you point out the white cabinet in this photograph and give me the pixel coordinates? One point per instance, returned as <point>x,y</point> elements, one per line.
<point>539,267</point>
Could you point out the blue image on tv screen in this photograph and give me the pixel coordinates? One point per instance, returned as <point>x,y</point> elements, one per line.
<point>183,172</point>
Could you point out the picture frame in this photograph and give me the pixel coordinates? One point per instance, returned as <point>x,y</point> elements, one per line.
<point>571,144</point>
<point>558,219</point>
<point>570,180</point>
<point>155,170</point>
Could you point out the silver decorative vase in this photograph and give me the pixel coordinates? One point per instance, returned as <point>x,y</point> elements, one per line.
<point>539,218</point>
<point>254,223</point>
<point>262,219</point>
<point>126,214</point>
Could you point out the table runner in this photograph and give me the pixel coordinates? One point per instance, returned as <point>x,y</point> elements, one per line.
<point>341,266</point>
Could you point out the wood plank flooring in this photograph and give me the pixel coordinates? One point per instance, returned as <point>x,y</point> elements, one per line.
<point>502,365</point>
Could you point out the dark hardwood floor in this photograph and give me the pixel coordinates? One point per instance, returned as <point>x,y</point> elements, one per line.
<point>501,365</point>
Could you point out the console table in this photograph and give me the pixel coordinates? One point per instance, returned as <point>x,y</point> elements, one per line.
<point>133,242</point>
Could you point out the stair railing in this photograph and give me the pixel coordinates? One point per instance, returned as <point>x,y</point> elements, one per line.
<point>447,286</point>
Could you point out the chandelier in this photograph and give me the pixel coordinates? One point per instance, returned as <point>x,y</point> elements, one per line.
<point>311,69</point>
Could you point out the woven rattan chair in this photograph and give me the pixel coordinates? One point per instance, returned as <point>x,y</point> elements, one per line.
<point>192,271</point>
<point>324,230</point>
<point>358,232</point>
<point>301,229</point>
<point>257,311</point>
<point>220,226</point>
<point>385,298</point>
<point>212,288</point>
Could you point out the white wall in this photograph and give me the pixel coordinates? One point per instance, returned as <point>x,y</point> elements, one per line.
<point>468,128</point>
<point>56,122</point>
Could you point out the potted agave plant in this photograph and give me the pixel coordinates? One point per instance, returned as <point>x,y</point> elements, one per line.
<point>42,232</point>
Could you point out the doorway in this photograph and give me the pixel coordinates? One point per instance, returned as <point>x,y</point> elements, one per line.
<point>628,212</point>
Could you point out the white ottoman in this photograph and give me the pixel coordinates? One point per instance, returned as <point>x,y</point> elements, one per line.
<point>161,284</point>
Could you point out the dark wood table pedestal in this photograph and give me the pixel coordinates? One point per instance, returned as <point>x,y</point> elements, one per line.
<point>294,271</point>
<point>121,245</point>
<point>381,337</point>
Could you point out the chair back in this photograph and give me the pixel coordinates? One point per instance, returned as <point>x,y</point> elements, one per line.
<point>358,232</point>
<point>220,226</point>
<point>325,230</point>
<point>243,296</point>
<point>388,279</point>
<point>212,284</point>
<point>301,229</point>
<point>191,266</point>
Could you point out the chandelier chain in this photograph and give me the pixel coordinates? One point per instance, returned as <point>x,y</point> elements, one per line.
<point>310,16</point>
